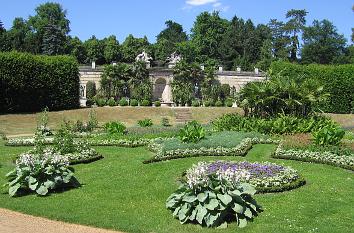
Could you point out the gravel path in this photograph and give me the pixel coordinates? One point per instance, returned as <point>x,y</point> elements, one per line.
<point>14,222</point>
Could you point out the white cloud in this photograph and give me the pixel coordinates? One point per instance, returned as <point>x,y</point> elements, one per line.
<point>200,2</point>
<point>217,4</point>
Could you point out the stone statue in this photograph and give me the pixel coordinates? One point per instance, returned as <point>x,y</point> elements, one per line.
<point>144,56</point>
<point>174,59</point>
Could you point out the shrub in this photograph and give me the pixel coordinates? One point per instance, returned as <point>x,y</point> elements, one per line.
<point>338,80</point>
<point>101,102</point>
<point>145,103</point>
<point>229,102</point>
<point>64,140</point>
<point>123,102</point>
<point>34,82</point>
<point>145,123</point>
<point>115,127</point>
<point>92,120</point>
<point>90,102</point>
<point>195,103</point>
<point>328,135</point>
<point>40,173</point>
<point>165,122</point>
<point>219,103</point>
<point>134,102</point>
<point>192,132</point>
<point>207,103</point>
<point>214,199</point>
<point>90,89</point>
<point>42,123</point>
<point>111,102</point>
<point>157,103</point>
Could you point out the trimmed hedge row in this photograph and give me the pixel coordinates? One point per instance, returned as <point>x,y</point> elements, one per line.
<point>338,80</point>
<point>30,83</point>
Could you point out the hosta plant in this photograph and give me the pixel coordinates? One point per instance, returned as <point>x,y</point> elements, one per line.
<point>40,173</point>
<point>145,123</point>
<point>328,135</point>
<point>192,132</point>
<point>214,199</point>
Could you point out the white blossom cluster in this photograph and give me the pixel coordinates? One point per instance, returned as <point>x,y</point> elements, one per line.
<point>49,157</point>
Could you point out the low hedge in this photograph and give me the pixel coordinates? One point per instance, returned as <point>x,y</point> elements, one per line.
<point>29,83</point>
<point>338,80</point>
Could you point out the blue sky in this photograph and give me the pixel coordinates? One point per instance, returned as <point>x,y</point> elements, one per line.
<point>142,17</point>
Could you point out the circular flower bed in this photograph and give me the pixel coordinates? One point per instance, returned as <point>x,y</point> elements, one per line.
<point>266,176</point>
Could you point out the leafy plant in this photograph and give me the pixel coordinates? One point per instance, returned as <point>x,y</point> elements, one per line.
<point>145,103</point>
<point>328,135</point>
<point>157,103</point>
<point>111,102</point>
<point>42,123</point>
<point>101,102</point>
<point>214,203</point>
<point>195,103</point>
<point>123,102</point>
<point>134,102</point>
<point>64,140</point>
<point>145,123</point>
<point>40,173</point>
<point>115,127</point>
<point>192,132</point>
<point>92,120</point>
<point>165,122</point>
<point>219,103</point>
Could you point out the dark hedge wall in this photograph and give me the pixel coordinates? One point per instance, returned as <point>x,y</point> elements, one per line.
<point>338,80</point>
<point>29,83</point>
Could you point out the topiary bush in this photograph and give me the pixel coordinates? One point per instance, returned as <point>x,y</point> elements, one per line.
<point>157,103</point>
<point>145,103</point>
<point>30,83</point>
<point>134,102</point>
<point>165,122</point>
<point>229,103</point>
<point>101,102</point>
<point>111,102</point>
<point>123,102</point>
<point>192,132</point>
<point>219,103</point>
<point>195,103</point>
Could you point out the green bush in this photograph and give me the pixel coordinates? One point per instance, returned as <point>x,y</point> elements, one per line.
<point>134,102</point>
<point>111,102</point>
<point>30,83</point>
<point>89,102</point>
<point>328,135</point>
<point>279,125</point>
<point>195,103</point>
<point>219,103</point>
<point>145,123</point>
<point>157,103</point>
<point>229,102</point>
<point>145,103</point>
<point>90,89</point>
<point>207,103</point>
<point>123,102</point>
<point>338,80</point>
<point>115,127</point>
<point>101,102</point>
<point>192,132</point>
<point>165,122</point>
<point>64,140</point>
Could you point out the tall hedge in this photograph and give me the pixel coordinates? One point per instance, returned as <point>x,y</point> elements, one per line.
<point>338,80</point>
<point>28,83</point>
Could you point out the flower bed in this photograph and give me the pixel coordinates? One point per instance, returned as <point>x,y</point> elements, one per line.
<point>346,162</point>
<point>265,177</point>
<point>27,141</point>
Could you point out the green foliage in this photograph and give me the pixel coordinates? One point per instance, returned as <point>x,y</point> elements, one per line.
<point>192,132</point>
<point>145,123</point>
<point>195,103</point>
<point>101,102</point>
<point>219,103</point>
<point>145,103</point>
<point>90,89</point>
<point>132,46</point>
<point>134,102</point>
<point>338,81</point>
<point>279,125</point>
<point>64,140</point>
<point>165,122</point>
<point>214,205</point>
<point>229,102</point>
<point>42,123</point>
<point>123,102</point>
<point>328,135</point>
<point>115,128</point>
<point>35,82</point>
<point>111,49</point>
<point>157,103</point>
<point>92,120</point>
<point>40,173</point>
<point>111,102</point>
<point>114,80</point>
<point>94,48</point>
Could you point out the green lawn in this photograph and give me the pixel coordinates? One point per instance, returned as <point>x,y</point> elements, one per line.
<point>120,192</point>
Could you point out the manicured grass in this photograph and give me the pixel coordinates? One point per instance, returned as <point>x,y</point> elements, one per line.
<point>122,193</point>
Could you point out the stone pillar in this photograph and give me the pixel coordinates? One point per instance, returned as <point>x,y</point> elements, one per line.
<point>256,70</point>
<point>238,69</point>
<point>220,68</point>
<point>93,65</point>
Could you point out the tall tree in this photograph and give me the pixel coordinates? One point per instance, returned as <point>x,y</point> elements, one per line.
<point>94,48</point>
<point>294,26</point>
<point>132,46</point>
<point>207,34</point>
<point>266,56</point>
<point>168,38</point>
<point>112,49</point>
<point>50,18</point>
<point>77,49</point>
<point>2,28</point>
<point>279,39</point>
<point>322,43</point>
